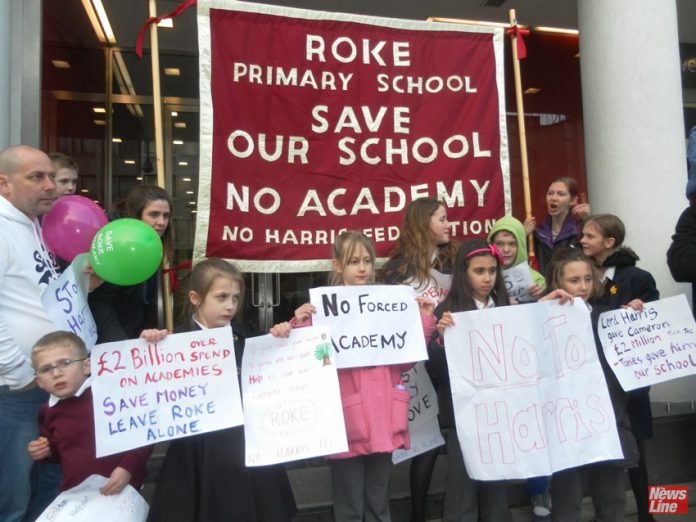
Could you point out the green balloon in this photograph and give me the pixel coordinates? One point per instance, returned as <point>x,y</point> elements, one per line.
<point>126,252</point>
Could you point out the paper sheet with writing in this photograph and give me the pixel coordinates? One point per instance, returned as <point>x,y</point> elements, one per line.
<point>370,325</point>
<point>652,346</point>
<point>518,279</point>
<point>292,401</point>
<point>151,392</point>
<point>65,302</point>
<point>423,426</point>
<point>529,394</point>
<point>84,503</point>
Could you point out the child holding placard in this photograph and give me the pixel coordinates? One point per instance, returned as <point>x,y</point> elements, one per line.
<point>375,401</point>
<point>602,240</point>
<point>204,477</point>
<point>573,274</point>
<point>423,259</point>
<point>476,285</point>
<point>61,362</point>
<point>508,235</point>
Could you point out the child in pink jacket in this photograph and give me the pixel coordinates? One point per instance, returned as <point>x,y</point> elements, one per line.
<point>374,399</point>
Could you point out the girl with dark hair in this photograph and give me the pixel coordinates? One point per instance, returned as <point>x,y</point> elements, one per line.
<point>154,206</point>
<point>477,284</point>
<point>122,312</point>
<point>423,259</point>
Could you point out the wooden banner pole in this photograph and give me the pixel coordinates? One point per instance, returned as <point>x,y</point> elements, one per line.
<point>159,157</point>
<point>522,132</point>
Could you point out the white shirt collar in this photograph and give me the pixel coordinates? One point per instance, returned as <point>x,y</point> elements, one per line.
<point>608,273</point>
<point>53,400</point>
<point>203,327</point>
<point>481,306</point>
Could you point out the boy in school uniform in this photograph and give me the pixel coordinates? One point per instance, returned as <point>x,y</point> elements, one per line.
<point>66,423</point>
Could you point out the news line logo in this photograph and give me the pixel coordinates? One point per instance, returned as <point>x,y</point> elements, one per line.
<point>668,500</point>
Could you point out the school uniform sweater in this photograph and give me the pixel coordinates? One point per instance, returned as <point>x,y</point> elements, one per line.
<point>69,428</point>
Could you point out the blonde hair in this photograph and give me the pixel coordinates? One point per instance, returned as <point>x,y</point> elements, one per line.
<point>57,339</point>
<point>343,249</point>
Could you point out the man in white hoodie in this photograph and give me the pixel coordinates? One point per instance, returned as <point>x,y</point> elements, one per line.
<point>27,191</point>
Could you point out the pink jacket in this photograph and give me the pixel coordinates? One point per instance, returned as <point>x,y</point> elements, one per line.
<point>375,404</point>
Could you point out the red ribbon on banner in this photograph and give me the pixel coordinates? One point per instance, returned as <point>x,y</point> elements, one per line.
<point>171,272</point>
<point>157,19</point>
<point>517,34</point>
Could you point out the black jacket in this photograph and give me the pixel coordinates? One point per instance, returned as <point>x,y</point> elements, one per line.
<point>681,256</point>
<point>628,282</point>
<point>204,477</point>
<point>619,401</point>
<point>122,312</point>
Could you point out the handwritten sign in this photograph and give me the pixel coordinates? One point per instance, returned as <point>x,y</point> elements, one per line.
<point>435,289</point>
<point>423,426</point>
<point>84,503</point>
<point>529,394</point>
<point>65,302</point>
<point>292,402</point>
<point>370,325</point>
<point>146,393</point>
<point>655,345</point>
<point>518,279</point>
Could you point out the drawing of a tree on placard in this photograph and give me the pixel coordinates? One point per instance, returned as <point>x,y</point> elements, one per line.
<point>323,352</point>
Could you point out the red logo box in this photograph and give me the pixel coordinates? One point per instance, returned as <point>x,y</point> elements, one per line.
<point>668,500</point>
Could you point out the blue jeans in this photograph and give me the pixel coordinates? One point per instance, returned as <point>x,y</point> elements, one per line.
<point>537,486</point>
<point>26,488</point>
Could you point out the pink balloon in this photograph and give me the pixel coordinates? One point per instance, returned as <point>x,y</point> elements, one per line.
<point>68,229</point>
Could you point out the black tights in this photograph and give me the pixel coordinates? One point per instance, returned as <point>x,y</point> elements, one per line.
<point>639,485</point>
<point>421,472</point>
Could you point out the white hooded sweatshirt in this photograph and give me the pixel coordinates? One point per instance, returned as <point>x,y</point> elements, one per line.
<point>26,269</point>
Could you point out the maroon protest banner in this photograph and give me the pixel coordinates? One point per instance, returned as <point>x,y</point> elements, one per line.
<point>315,122</point>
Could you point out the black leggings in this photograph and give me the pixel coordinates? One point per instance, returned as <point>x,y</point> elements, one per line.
<point>421,472</point>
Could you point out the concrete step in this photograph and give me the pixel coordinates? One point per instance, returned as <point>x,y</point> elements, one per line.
<point>671,460</point>
<point>311,485</point>
<point>312,489</point>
